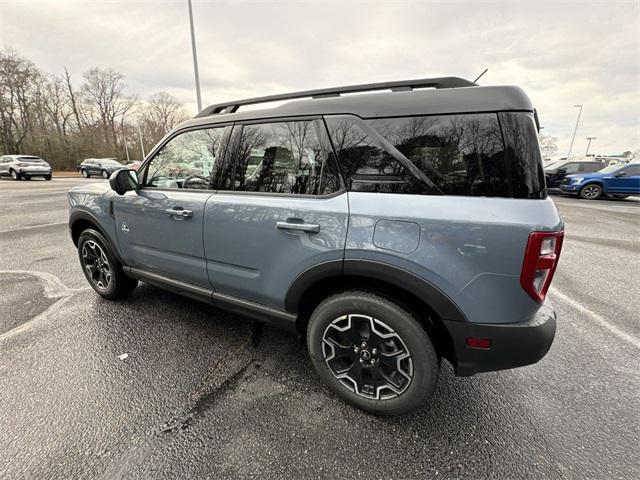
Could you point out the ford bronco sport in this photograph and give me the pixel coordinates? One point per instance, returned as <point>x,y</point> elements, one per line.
<point>391,229</point>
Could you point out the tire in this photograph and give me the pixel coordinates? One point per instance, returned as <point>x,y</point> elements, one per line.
<point>105,174</point>
<point>47,177</point>
<point>84,173</point>
<point>15,175</point>
<point>591,191</point>
<point>403,369</point>
<point>106,277</point>
<point>619,195</point>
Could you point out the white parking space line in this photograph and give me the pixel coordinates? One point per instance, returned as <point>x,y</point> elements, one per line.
<point>28,193</point>
<point>53,288</point>
<point>596,318</point>
<point>42,225</point>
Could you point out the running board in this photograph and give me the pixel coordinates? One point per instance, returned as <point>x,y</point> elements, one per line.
<point>263,313</point>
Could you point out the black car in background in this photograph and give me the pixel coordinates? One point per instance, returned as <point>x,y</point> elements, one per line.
<point>99,166</point>
<point>555,173</point>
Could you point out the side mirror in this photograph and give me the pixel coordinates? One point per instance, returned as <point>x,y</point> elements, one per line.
<point>123,181</point>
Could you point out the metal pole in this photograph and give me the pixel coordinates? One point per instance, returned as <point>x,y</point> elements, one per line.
<point>195,58</point>
<point>589,144</point>
<point>574,132</point>
<point>141,144</point>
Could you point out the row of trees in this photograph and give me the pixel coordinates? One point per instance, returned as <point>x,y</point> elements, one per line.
<point>51,116</point>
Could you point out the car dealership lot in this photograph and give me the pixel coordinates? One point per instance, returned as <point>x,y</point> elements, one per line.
<point>204,393</point>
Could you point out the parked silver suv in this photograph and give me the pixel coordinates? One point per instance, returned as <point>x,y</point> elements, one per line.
<point>391,230</point>
<point>24,166</point>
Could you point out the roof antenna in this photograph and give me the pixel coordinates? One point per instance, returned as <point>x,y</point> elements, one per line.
<point>485,71</point>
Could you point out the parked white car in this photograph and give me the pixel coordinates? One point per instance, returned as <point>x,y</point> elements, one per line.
<point>24,166</point>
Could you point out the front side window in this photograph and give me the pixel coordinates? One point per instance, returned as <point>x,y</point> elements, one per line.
<point>632,171</point>
<point>186,160</point>
<point>570,168</point>
<point>448,154</point>
<point>283,157</point>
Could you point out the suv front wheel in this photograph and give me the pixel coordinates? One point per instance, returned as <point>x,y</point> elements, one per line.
<point>372,352</point>
<point>590,191</point>
<point>101,268</point>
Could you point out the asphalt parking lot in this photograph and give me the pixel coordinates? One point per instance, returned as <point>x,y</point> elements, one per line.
<point>159,386</point>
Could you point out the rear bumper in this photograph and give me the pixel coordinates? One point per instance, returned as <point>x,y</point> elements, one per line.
<point>512,344</point>
<point>35,171</point>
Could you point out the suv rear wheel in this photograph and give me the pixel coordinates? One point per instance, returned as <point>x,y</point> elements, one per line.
<point>591,191</point>
<point>101,268</point>
<point>105,174</point>
<point>372,352</point>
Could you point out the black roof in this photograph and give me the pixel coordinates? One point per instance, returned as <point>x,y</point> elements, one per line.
<point>408,97</point>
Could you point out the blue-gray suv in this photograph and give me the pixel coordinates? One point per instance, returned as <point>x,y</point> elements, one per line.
<point>391,229</point>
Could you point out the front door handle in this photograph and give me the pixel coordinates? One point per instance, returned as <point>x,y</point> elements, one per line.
<point>179,212</point>
<point>301,227</point>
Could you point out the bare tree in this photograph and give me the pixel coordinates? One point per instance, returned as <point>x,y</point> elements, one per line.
<point>548,145</point>
<point>103,91</point>
<point>159,114</point>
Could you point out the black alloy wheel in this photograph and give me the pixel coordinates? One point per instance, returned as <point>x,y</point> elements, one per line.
<point>101,267</point>
<point>97,265</point>
<point>367,356</point>
<point>372,352</point>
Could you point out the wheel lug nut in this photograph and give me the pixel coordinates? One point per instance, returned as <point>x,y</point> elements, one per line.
<point>361,360</point>
<point>372,361</point>
<point>356,349</point>
<point>364,345</point>
<point>374,351</point>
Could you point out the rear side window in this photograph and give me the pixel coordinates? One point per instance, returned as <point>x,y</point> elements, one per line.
<point>593,166</point>
<point>448,154</point>
<point>282,157</point>
<point>526,175</point>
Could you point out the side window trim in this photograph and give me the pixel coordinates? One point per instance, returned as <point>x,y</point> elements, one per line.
<point>144,168</point>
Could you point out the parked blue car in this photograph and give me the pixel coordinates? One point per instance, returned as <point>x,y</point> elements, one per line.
<point>619,181</point>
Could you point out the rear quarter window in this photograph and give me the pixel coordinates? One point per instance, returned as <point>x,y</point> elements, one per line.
<point>446,154</point>
<point>524,160</point>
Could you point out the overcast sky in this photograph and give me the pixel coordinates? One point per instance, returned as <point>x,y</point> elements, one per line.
<point>561,53</point>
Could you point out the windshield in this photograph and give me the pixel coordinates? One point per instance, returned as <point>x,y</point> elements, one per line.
<point>555,166</point>
<point>551,165</point>
<point>109,161</point>
<point>610,169</point>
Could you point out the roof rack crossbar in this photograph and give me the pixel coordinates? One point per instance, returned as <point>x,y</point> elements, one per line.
<point>398,86</point>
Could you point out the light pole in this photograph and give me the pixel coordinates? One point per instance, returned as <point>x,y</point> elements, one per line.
<point>195,58</point>
<point>589,144</point>
<point>141,144</point>
<point>574,131</point>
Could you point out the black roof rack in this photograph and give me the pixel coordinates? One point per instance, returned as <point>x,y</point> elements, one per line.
<point>398,86</point>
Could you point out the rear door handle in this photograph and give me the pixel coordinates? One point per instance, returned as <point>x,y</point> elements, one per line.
<point>301,227</point>
<point>179,212</point>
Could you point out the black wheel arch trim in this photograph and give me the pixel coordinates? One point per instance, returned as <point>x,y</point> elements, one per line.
<point>412,283</point>
<point>83,215</point>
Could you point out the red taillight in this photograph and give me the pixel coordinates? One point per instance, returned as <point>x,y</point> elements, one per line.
<point>540,261</point>
<point>475,342</point>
